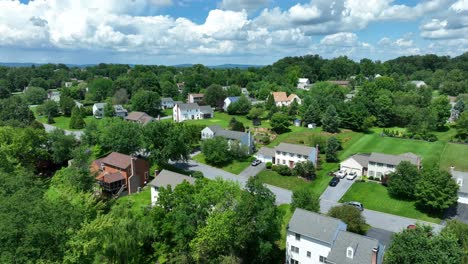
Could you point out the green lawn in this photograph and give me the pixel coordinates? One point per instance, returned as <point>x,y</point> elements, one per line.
<point>234,167</point>
<point>287,214</point>
<point>292,183</point>
<point>374,196</point>
<point>454,155</point>
<point>222,119</point>
<point>166,112</point>
<point>140,200</point>
<point>63,121</point>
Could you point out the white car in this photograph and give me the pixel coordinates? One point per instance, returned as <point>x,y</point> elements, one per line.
<point>351,175</point>
<point>341,174</point>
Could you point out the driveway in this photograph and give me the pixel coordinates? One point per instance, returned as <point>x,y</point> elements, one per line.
<point>385,237</point>
<point>334,194</point>
<point>459,212</point>
<point>78,134</point>
<point>251,171</point>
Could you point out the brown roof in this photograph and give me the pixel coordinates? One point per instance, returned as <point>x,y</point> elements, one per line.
<point>117,160</point>
<point>280,96</point>
<point>141,117</point>
<point>111,177</point>
<point>98,163</point>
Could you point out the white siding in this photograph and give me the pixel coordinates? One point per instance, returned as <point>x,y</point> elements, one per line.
<point>379,169</point>
<point>305,244</point>
<point>154,195</point>
<point>351,165</point>
<point>463,198</point>
<point>284,158</point>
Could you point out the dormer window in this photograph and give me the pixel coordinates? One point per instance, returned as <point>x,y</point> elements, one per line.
<point>349,252</point>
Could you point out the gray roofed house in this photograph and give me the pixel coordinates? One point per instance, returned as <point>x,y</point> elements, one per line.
<point>189,106</point>
<point>394,159</point>
<point>266,151</point>
<point>167,102</point>
<point>244,138</point>
<point>362,159</point>
<point>294,148</point>
<point>315,226</point>
<point>350,248</point>
<point>191,111</point>
<point>167,178</point>
<point>206,109</point>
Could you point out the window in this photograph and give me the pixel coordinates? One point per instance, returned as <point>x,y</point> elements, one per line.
<point>379,164</point>
<point>371,173</point>
<point>293,261</point>
<point>299,156</point>
<point>378,174</point>
<point>322,259</point>
<point>308,254</point>
<point>284,162</point>
<point>146,175</point>
<point>298,236</point>
<point>390,166</point>
<point>295,249</point>
<point>349,252</point>
<point>306,157</point>
<point>277,161</point>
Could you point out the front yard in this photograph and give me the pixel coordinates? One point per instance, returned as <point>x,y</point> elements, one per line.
<point>374,196</point>
<point>234,167</point>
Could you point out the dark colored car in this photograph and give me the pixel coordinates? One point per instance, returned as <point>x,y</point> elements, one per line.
<point>334,181</point>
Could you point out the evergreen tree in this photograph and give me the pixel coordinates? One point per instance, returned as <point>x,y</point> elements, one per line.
<point>333,145</point>
<point>311,114</point>
<point>330,120</point>
<point>76,120</point>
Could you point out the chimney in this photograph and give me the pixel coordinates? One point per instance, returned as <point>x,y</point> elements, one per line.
<point>374,255</point>
<point>132,169</point>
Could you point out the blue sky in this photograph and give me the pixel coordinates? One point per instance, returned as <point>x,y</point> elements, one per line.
<point>227,31</point>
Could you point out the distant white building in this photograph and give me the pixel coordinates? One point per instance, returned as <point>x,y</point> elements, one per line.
<point>228,101</point>
<point>164,179</point>
<point>303,83</point>
<point>418,84</point>
<point>54,96</point>
<point>195,98</point>
<point>245,92</point>
<point>245,138</point>
<point>120,111</point>
<point>315,238</point>
<point>68,84</point>
<point>98,110</point>
<point>191,111</point>
<point>167,102</point>
<point>281,99</point>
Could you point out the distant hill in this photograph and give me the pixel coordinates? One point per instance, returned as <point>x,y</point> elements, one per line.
<point>223,66</point>
<point>29,64</point>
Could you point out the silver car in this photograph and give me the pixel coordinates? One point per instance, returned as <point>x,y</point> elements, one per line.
<point>358,205</point>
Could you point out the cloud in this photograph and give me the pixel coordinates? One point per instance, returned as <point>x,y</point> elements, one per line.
<point>239,5</point>
<point>344,39</point>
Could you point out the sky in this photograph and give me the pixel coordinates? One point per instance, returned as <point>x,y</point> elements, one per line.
<point>214,32</point>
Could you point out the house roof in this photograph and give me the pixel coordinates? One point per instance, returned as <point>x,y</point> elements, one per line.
<point>362,159</point>
<point>111,177</point>
<point>139,117</point>
<point>313,225</point>
<point>293,148</point>
<point>166,177</point>
<point>206,109</point>
<point>189,106</point>
<point>461,178</point>
<point>292,97</point>
<point>340,82</point>
<point>118,160</point>
<point>362,247</point>
<point>280,96</point>
<point>230,134</point>
<point>394,159</point>
<point>215,128</point>
<point>197,95</point>
<point>167,99</point>
<point>233,98</point>
<point>266,151</point>
<point>303,80</point>
<point>119,108</point>
<point>418,83</point>
<point>100,105</point>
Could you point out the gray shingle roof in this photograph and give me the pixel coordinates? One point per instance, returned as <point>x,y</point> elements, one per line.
<point>166,177</point>
<point>293,148</point>
<point>463,176</point>
<point>362,159</point>
<point>230,134</point>
<point>266,151</point>
<point>167,99</point>
<point>394,159</point>
<point>361,245</point>
<point>314,225</point>
<point>206,109</point>
<point>215,128</point>
<point>189,106</point>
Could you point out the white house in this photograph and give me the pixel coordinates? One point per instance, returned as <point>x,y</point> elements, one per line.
<point>245,92</point>
<point>290,154</point>
<point>167,102</point>
<point>315,238</point>
<point>244,138</point>
<point>228,101</point>
<point>191,111</point>
<point>461,178</point>
<point>303,83</point>
<point>54,96</point>
<point>98,110</point>
<point>164,179</point>
<point>266,154</point>
<point>419,84</point>
<point>120,111</point>
<point>68,84</point>
<point>377,164</point>
<point>281,99</point>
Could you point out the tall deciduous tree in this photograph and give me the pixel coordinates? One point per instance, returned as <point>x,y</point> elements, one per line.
<point>280,123</point>
<point>66,105</point>
<point>146,101</point>
<point>351,216</point>
<point>215,96</point>
<point>440,106</point>
<point>35,95</point>
<point>305,198</point>
<point>330,120</point>
<point>305,169</point>
<point>216,151</point>
<point>402,183</point>
<point>462,126</point>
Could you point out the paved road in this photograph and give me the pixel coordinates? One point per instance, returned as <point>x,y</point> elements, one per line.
<point>334,194</point>
<point>77,134</point>
<point>384,236</point>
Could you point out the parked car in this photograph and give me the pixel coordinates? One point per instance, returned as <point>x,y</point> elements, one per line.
<point>341,174</point>
<point>334,181</point>
<point>256,162</point>
<point>358,205</point>
<point>351,175</point>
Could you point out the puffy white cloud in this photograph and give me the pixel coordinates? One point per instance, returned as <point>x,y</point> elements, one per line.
<point>460,6</point>
<point>340,39</point>
<point>238,5</point>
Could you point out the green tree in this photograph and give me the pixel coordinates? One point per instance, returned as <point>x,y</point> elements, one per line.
<point>255,113</point>
<point>169,89</point>
<point>146,101</point>
<point>459,106</point>
<point>76,119</point>
<point>270,102</point>
<point>351,216</point>
<point>119,135</point>
<point>236,125</point>
<point>216,151</point>
<point>304,169</point>
<point>460,231</point>
<point>436,191</point>
<point>402,183</point>
<point>306,199</point>
<point>280,123</point>
<point>66,105</point>
<point>462,126</point>
<point>35,95</point>
<point>100,89</point>
<point>440,106</point>
<point>330,120</point>
<point>215,96</point>
<point>312,114</point>
<point>61,146</point>
<point>331,152</point>
<point>419,245</point>
<point>120,97</point>
<point>240,107</point>
<point>109,110</point>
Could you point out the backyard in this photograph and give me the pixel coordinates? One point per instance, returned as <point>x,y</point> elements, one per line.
<point>139,201</point>
<point>61,122</point>
<point>234,167</point>
<point>374,196</point>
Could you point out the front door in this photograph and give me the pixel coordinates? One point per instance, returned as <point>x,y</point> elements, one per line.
<point>291,164</point>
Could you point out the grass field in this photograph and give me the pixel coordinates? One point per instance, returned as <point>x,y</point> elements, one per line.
<point>454,155</point>
<point>292,183</point>
<point>374,196</point>
<point>234,167</point>
<point>63,122</point>
<point>139,201</point>
<point>287,214</point>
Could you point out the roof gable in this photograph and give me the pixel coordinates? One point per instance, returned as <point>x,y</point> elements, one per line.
<point>167,177</point>
<point>293,148</point>
<point>117,160</point>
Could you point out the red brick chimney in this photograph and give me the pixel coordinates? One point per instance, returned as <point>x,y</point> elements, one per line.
<point>374,255</point>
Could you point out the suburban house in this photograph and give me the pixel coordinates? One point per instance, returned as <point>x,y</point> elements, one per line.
<point>281,99</point>
<point>180,87</point>
<point>461,178</point>
<point>341,83</point>
<point>377,164</point>
<point>68,84</point>
<point>245,92</point>
<point>288,154</point>
<point>195,98</point>
<point>98,110</point>
<point>419,84</point>
<point>245,138</point>
<point>303,83</point>
<point>118,172</point>
<point>139,117</point>
<point>120,111</point>
<point>315,238</point>
<point>164,179</point>
<point>228,101</point>
<point>167,102</point>
<point>54,96</point>
<point>191,111</point>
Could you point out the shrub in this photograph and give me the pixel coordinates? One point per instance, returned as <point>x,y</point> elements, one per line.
<point>371,178</point>
<point>282,170</point>
<point>197,175</point>
<point>268,165</point>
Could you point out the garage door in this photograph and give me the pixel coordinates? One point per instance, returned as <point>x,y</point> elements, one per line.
<point>463,199</point>
<point>348,169</point>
